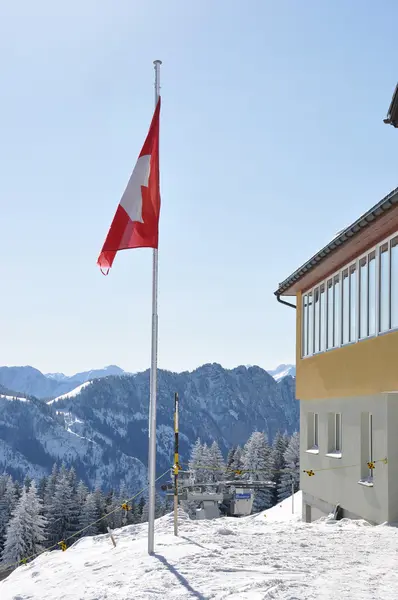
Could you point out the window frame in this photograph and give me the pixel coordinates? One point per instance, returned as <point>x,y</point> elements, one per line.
<point>328,323</point>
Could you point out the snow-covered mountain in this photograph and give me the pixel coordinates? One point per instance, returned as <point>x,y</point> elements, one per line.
<point>33,382</point>
<point>283,371</point>
<point>102,427</point>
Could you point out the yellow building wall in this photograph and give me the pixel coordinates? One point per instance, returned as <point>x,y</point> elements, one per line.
<point>366,367</point>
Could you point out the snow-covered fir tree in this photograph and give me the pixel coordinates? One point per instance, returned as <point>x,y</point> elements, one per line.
<point>88,515</point>
<point>292,466</point>
<point>199,462</point>
<point>62,511</point>
<point>236,464</point>
<point>258,466</point>
<point>216,463</point>
<point>278,460</point>
<point>8,501</point>
<point>25,531</point>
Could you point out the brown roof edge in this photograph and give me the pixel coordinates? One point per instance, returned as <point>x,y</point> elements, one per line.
<point>342,238</point>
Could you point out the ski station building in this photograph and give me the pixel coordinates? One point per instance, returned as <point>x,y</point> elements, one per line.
<point>347,369</point>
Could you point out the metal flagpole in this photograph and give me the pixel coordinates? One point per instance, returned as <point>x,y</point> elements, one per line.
<point>176,465</point>
<point>153,376</point>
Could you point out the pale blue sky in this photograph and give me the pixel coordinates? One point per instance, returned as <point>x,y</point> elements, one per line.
<point>272,140</point>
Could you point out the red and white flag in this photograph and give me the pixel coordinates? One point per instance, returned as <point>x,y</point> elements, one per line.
<point>136,222</point>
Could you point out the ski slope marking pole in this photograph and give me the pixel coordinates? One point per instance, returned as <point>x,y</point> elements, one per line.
<point>176,465</point>
<point>111,536</point>
<point>292,496</point>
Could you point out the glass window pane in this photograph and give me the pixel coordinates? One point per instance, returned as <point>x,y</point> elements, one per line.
<point>330,337</point>
<point>316,430</point>
<point>338,432</point>
<point>305,325</point>
<point>394,282</point>
<point>316,316</point>
<point>372,293</point>
<point>353,302</point>
<point>323,317</point>
<point>363,298</point>
<point>346,307</point>
<point>337,311</point>
<point>384,288</point>
<point>310,324</point>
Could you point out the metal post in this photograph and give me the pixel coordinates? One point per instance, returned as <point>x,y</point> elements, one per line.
<point>153,376</point>
<point>292,496</point>
<point>176,463</point>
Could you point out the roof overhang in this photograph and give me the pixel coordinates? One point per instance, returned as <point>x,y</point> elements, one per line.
<point>392,115</point>
<point>372,227</point>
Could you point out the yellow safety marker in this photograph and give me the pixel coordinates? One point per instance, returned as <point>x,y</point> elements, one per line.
<point>62,545</point>
<point>125,506</point>
<point>310,473</point>
<point>371,465</point>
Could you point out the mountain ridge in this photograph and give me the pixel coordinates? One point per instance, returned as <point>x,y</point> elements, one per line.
<point>29,380</point>
<point>102,429</point>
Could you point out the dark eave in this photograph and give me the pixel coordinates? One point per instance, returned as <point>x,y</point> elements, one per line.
<point>341,240</point>
<point>392,115</point>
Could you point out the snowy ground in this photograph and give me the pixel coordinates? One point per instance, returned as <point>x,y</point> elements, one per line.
<point>263,557</point>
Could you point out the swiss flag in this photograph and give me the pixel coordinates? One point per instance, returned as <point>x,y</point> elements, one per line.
<point>136,222</point>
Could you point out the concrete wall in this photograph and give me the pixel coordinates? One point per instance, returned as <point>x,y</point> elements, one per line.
<point>338,483</point>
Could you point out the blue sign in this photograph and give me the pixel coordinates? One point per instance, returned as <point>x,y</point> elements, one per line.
<point>244,496</point>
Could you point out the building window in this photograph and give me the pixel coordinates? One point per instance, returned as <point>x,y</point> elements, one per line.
<point>304,336</point>
<point>363,298</point>
<point>323,317</point>
<point>334,434</point>
<point>358,302</point>
<point>372,293</point>
<point>366,447</point>
<point>353,303</point>
<point>317,314</point>
<point>313,431</point>
<point>346,307</point>
<point>310,324</point>
<point>330,314</point>
<point>394,282</point>
<point>337,310</point>
<point>384,288</point>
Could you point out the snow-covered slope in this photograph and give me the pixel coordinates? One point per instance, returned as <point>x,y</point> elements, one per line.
<point>224,559</point>
<point>72,394</point>
<point>33,436</point>
<point>31,381</point>
<point>283,371</point>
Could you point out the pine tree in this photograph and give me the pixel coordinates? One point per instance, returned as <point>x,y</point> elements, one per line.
<point>35,508</point>
<point>292,466</point>
<point>81,493</point>
<point>237,464</point>
<point>230,457</point>
<point>100,503</point>
<point>199,462</point>
<point>278,460</point>
<point>27,482</point>
<point>216,463</point>
<point>145,512</point>
<point>88,516</point>
<point>62,511</point>
<point>25,531</point>
<point>257,462</point>
<point>8,501</point>
<point>41,489</point>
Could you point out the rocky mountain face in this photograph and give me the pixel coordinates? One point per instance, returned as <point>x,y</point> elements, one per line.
<point>102,429</point>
